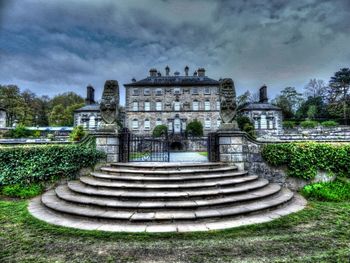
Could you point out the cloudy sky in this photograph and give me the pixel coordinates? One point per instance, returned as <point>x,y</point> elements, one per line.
<point>53,46</point>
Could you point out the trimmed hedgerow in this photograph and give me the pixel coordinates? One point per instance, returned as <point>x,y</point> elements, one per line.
<point>304,159</point>
<point>31,164</point>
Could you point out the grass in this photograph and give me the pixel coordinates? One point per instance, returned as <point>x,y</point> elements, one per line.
<point>203,154</point>
<point>320,233</point>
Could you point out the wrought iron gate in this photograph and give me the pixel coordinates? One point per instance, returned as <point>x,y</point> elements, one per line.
<point>139,148</point>
<point>213,147</point>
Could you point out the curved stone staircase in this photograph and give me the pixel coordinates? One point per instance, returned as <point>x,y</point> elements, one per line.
<point>165,197</point>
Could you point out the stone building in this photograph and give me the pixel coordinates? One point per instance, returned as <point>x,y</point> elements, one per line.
<point>173,100</point>
<point>2,117</point>
<point>266,117</point>
<point>89,115</point>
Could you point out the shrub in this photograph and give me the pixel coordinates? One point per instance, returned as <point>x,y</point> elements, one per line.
<point>32,164</point>
<point>309,124</point>
<point>289,124</point>
<point>245,124</point>
<point>77,134</point>
<point>329,191</point>
<point>36,134</point>
<point>19,132</point>
<point>159,131</point>
<point>304,159</point>
<point>329,124</point>
<point>22,191</point>
<point>194,128</point>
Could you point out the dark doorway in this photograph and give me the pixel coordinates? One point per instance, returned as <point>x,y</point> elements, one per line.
<point>176,146</point>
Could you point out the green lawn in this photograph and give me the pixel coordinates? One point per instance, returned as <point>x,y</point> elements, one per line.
<point>204,153</point>
<point>320,233</point>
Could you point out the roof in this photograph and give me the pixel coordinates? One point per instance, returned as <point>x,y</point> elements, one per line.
<point>89,107</point>
<point>174,80</point>
<point>260,106</point>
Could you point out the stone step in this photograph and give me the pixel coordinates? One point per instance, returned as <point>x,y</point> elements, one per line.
<point>50,200</point>
<point>120,171</point>
<point>63,192</point>
<point>158,194</point>
<point>37,209</point>
<point>167,166</point>
<point>168,178</point>
<point>93,181</point>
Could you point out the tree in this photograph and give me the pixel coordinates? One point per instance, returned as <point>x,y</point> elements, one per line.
<point>339,86</point>
<point>12,101</point>
<point>317,102</point>
<point>66,99</point>
<point>315,88</point>
<point>194,128</point>
<point>159,131</point>
<point>58,116</point>
<point>289,101</point>
<point>246,98</point>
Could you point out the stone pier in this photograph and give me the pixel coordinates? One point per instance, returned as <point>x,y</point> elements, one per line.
<point>108,142</point>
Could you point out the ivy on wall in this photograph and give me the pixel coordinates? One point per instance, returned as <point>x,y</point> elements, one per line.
<point>304,159</point>
<point>30,164</point>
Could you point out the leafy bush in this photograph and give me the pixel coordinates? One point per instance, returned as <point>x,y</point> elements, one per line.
<point>304,159</point>
<point>22,191</point>
<point>245,124</point>
<point>19,132</point>
<point>329,191</point>
<point>329,124</point>
<point>194,128</point>
<point>32,164</point>
<point>77,134</point>
<point>160,130</point>
<point>309,124</point>
<point>36,134</point>
<point>289,124</point>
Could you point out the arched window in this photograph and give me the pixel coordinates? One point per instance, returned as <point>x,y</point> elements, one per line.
<point>147,125</point>
<point>159,122</point>
<point>135,124</point>
<point>195,105</point>
<point>207,123</point>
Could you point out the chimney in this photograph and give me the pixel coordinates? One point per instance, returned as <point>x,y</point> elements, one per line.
<point>90,95</point>
<point>153,72</point>
<point>263,94</point>
<point>201,72</point>
<point>186,70</point>
<point>195,73</point>
<point>167,71</point>
<point>133,80</point>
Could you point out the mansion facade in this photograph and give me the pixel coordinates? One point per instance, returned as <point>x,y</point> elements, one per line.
<point>172,100</point>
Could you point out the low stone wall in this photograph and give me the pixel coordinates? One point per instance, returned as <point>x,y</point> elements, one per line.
<point>108,143</point>
<point>245,153</point>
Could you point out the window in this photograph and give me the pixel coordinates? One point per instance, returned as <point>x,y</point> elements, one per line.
<point>147,92</point>
<point>147,124</point>
<point>207,105</point>
<point>159,92</point>
<point>194,90</point>
<point>206,90</point>
<point>135,92</point>
<point>218,104</point>
<point>147,106</point>
<point>159,122</point>
<point>218,123</point>
<point>195,105</point>
<point>135,106</point>
<point>176,106</point>
<point>158,105</point>
<point>207,123</point>
<point>135,124</point>
<point>177,90</point>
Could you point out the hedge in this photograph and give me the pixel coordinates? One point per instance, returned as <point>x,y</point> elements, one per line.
<point>304,159</point>
<point>31,164</point>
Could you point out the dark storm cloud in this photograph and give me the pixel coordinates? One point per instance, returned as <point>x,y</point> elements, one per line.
<point>54,46</point>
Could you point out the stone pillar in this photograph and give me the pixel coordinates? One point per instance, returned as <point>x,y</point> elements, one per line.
<point>108,142</point>
<point>233,148</point>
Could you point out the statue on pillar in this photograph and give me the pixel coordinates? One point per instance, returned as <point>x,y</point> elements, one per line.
<point>109,106</point>
<point>228,105</point>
